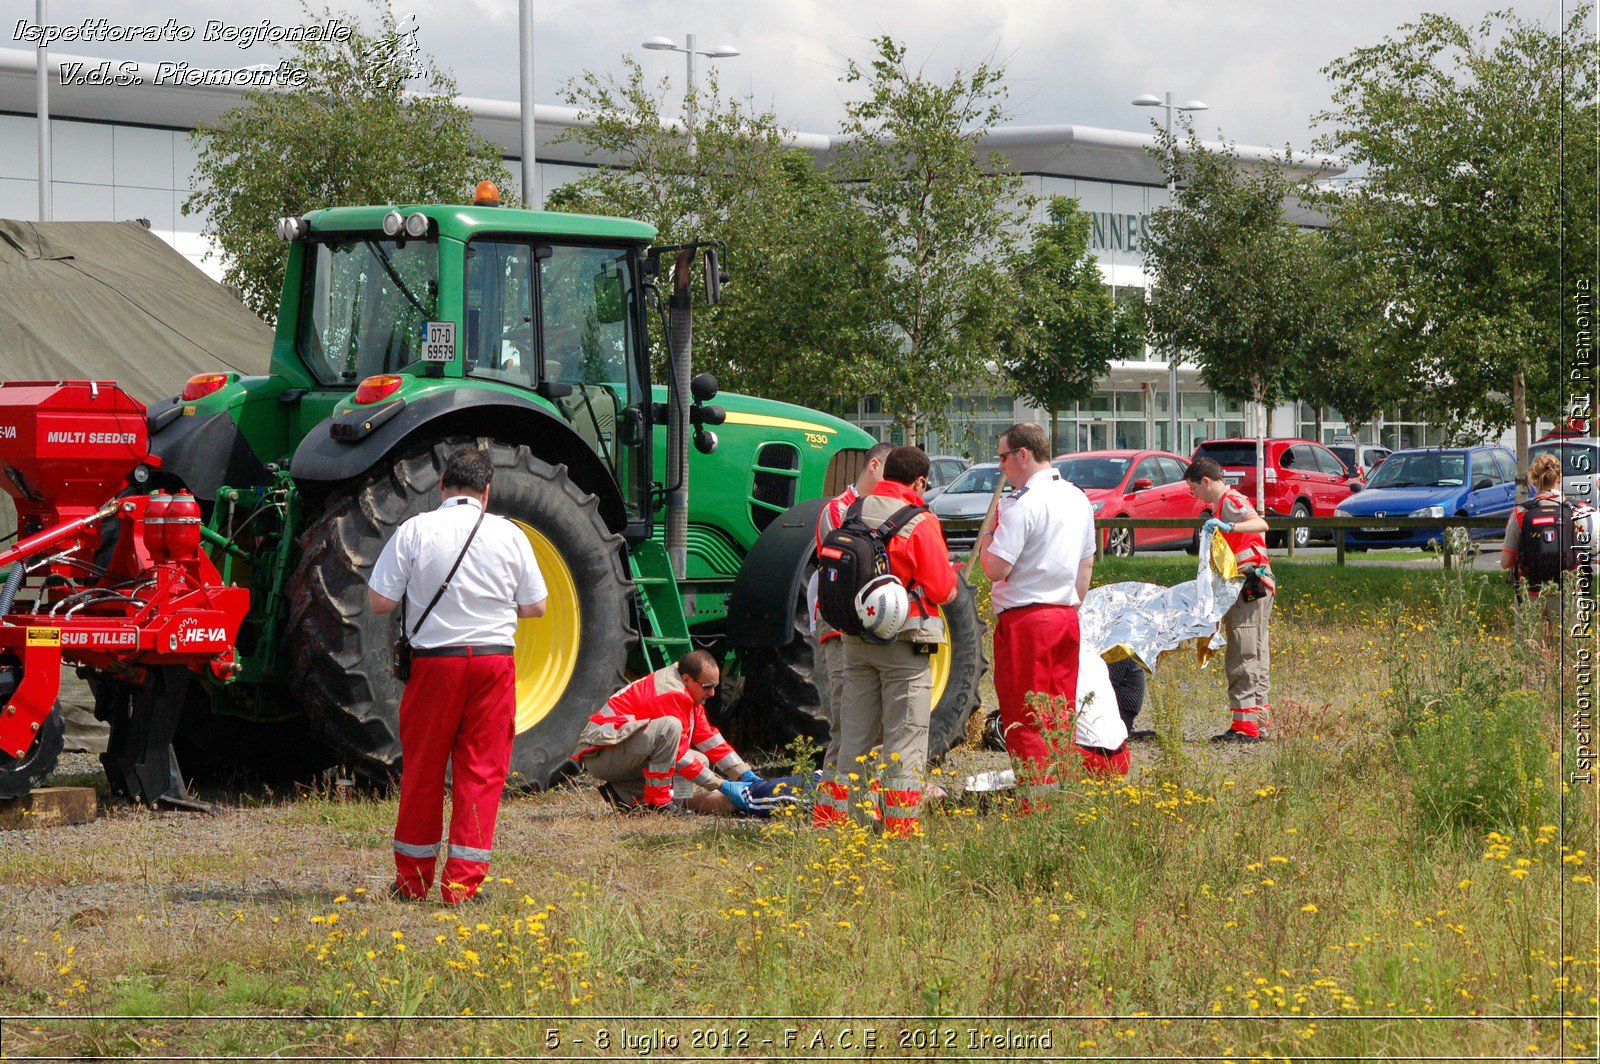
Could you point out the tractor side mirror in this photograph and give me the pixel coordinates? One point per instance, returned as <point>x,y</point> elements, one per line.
<point>715,278</point>
<point>703,387</point>
<point>553,389</point>
<point>630,429</point>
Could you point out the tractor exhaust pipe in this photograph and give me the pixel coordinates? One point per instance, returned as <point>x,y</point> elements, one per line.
<point>681,319</point>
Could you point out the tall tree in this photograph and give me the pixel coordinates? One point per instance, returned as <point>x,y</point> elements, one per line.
<point>949,215</point>
<point>1339,364</point>
<point>350,133</point>
<point>1229,274</point>
<point>1476,211</point>
<point>1067,327</point>
<point>801,322</point>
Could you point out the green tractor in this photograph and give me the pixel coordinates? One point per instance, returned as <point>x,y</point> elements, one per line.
<point>404,332</point>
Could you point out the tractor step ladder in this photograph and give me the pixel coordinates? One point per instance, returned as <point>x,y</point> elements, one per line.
<point>665,638</point>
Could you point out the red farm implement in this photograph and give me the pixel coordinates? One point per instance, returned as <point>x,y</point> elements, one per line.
<point>102,576</point>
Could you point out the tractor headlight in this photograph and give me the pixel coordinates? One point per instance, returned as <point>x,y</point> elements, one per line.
<point>393,222</point>
<point>416,225</point>
<point>1428,511</point>
<point>292,228</point>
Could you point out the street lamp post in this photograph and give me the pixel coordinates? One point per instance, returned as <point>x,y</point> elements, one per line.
<point>42,112</point>
<point>666,44</point>
<point>530,192</point>
<point>1151,100</point>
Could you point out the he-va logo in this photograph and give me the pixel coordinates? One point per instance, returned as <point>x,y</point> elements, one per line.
<point>204,635</point>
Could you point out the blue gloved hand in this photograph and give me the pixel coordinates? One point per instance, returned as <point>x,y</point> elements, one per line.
<point>750,776</point>
<point>1214,525</point>
<point>738,793</point>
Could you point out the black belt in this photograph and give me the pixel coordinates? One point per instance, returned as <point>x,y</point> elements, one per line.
<point>460,652</point>
<point>1101,750</point>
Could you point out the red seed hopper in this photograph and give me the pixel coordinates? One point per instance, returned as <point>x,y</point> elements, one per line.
<point>102,575</point>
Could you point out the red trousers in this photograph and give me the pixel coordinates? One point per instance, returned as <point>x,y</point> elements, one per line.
<point>1101,765</point>
<point>1036,652</point>
<point>460,712</point>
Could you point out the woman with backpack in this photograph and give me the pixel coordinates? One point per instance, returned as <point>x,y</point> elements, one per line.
<point>1547,536</point>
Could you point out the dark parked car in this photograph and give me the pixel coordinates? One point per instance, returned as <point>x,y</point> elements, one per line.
<point>942,472</point>
<point>1433,482</point>
<point>1359,458</point>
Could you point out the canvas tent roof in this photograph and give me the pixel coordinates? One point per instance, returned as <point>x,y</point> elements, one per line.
<point>112,301</point>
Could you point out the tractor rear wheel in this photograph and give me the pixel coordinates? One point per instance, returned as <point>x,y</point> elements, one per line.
<point>568,662</point>
<point>784,696</point>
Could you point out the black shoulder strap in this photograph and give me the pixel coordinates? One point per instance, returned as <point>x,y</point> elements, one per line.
<point>437,595</point>
<point>898,520</point>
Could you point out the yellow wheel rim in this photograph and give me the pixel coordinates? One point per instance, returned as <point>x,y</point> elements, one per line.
<point>547,648</point>
<point>941,662</point>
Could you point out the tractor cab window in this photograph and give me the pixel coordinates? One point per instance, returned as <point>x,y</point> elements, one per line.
<point>499,320</point>
<point>540,313</point>
<point>365,305</point>
<point>587,319</point>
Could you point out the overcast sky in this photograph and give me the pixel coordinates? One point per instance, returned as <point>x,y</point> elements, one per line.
<point>1256,62</point>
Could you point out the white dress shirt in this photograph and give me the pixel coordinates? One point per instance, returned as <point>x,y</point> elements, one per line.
<point>1044,529</point>
<point>497,575</point>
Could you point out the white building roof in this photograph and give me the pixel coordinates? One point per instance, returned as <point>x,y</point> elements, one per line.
<point>1074,151</point>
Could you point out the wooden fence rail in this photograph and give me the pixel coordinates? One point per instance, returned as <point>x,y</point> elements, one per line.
<point>1337,525</point>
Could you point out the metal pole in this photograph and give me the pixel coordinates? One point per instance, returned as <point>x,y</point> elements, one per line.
<point>530,192</point>
<point>1173,443</point>
<point>42,112</point>
<point>681,316</point>
<point>688,94</point>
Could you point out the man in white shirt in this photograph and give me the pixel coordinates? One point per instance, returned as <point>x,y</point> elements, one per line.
<point>459,705</point>
<point>1040,557</point>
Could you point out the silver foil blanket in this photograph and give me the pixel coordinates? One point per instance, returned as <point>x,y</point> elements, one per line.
<point>1146,621</point>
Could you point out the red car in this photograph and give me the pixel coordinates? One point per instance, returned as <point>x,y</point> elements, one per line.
<point>1135,484</point>
<point>1303,479</point>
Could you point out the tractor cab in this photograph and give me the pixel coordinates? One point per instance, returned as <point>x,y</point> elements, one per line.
<point>386,306</point>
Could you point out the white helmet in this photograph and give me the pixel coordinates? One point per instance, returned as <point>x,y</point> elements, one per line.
<point>883,607</point>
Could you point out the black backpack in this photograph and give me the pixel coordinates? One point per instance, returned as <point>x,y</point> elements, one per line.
<point>1546,541</point>
<point>851,555</point>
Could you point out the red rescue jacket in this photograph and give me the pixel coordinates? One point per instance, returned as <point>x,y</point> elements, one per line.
<point>663,694</point>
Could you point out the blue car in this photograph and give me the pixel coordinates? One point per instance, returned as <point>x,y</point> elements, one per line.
<point>1432,482</point>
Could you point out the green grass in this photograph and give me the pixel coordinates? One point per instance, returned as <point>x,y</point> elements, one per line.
<point>1336,894</point>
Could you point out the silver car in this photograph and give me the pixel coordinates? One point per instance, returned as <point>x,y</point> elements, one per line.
<point>1580,462</point>
<point>961,506</point>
